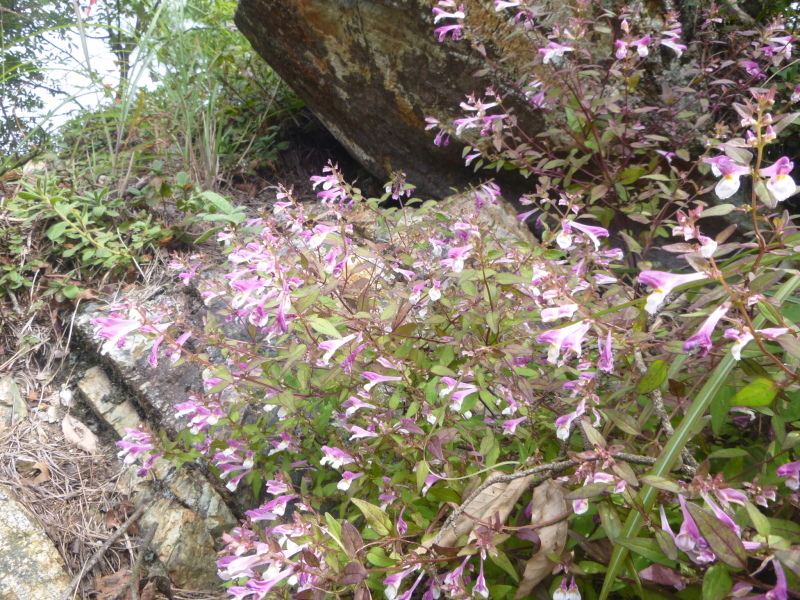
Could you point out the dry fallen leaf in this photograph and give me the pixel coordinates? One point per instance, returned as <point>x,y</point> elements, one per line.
<point>149,592</point>
<point>77,433</point>
<point>498,499</point>
<point>548,504</point>
<point>106,587</point>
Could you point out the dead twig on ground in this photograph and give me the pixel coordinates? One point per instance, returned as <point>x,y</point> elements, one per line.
<point>102,550</point>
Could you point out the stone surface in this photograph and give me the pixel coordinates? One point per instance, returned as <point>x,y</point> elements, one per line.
<point>12,406</point>
<point>372,70</point>
<point>189,511</point>
<point>183,544</point>
<point>30,566</point>
<point>99,394</point>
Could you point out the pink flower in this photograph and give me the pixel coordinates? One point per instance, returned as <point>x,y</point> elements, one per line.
<point>456,257</point>
<point>553,50</point>
<point>564,239</point>
<point>510,426</point>
<point>393,582</point>
<point>272,510</point>
<point>347,478</point>
<point>376,378</point>
<point>558,312</point>
<point>742,338</point>
<point>133,444</point>
<point>673,44</point>
<point>331,346</point>
<point>567,338</point>
<point>796,94</point>
<point>780,184</point>
<point>605,362</point>
<point>752,69</point>
<point>462,390</point>
<point>701,341</point>
<point>730,172</point>
<point>115,329</point>
<point>642,46</point>
<point>621,49</point>
<point>359,433</point>
<point>335,457</point>
<point>792,473</point>
<point>564,422</point>
<point>663,283</point>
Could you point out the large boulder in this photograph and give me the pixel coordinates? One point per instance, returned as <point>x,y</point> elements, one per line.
<point>371,71</point>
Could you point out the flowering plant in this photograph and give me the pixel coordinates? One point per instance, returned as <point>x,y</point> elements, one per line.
<point>444,409</point>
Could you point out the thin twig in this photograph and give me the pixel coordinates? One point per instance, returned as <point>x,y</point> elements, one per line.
<point>103,549</point>
<point>133,582</point>
<point>555,467</point>
<point>658,407</point>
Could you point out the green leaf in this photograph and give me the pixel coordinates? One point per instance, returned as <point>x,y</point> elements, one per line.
<point>716,583</point>
<point>720,210</point>
<point>723,541</point>
<point>378,520</point>
<point>378,558</point>
<point>624,421</point>
<point>655,376</point>
<point>662,483</point>
<point>760,522</point>
<point>501,560</point>
<point>678,441</point>
<point>647,547</point>
<point>729,453</point>
<point>667,544</point>
<point>510,278</point>
<point>334,528</point>
<point>443,371</point>
<point>70,291</point>
<point>324,327</point>
<point>218,201</point>
<point>57,230</point>
<point>422,473</point>
<point>760,392</point>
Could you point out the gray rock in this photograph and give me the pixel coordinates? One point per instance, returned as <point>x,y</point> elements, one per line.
<point>30,566</point>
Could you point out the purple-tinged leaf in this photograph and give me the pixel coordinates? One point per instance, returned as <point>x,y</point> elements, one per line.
<point>663,576</point>
<point>354,573</point>
<point>722,540</point>
<point>351,539</point>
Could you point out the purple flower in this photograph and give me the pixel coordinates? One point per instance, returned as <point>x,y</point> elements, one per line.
<point>134,443</point>
<point>742,338</point>
<point>641,46</point>
<point>331,346</point>
<point>456,257</point>
<point>480,588</point>
<point>567,339</point>
<point>361,433</point>
<point>115,329</point>
<point>663,283</point>
<point>730,171</point>
<point>701,341</point>
<point>621,49</point>
<point>454,30</point>
<point>376,378</point>
<point>553,50</point>
<point>792,473</point>
<point>272,510</point>
<point>673,44</point>
<point>393,582</point>
<point>335,457</point>
<point>752,69</point>
<point>462,390</point>
<point>510,426</point>
<point>564,422</point>
<point>780,184</point>
<point>347,479</point>
<point>353,404</point>
<point>558,312</point>
<point>606,360</point>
